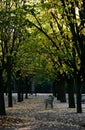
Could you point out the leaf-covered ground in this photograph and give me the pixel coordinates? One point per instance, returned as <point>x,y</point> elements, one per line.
<point>31,115</point>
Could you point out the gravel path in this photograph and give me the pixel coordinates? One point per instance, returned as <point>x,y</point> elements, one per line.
<point>31,115</point>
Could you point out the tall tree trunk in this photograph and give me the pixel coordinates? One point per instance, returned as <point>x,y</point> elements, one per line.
<point>20,90</point>
<point>62,93</point>
<point>78,95</point>
<point>71,93</point>
<point>10,104</point>
<point>54,88</point>
<point>26,88</point>
<point>2,102</point>
<point>58,91</point>
<point>9,80</point>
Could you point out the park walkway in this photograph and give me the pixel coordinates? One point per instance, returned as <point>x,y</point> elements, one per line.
<point>31,115</point>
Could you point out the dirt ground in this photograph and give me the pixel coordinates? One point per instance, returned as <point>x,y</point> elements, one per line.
<point>32,115</point>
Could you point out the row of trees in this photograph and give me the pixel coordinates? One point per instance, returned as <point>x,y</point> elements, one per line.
<point>43,39</point>
<point>65,30</point>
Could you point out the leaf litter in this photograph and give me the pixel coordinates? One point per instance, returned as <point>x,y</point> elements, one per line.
<point>32,115</point>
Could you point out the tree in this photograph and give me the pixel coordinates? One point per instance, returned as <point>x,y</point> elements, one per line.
<point>12,28</point>
<point>76,24</point>
<point>67,20</point>
<point>57,49</point>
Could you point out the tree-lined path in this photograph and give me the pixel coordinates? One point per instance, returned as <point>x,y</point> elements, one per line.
<point>31,115</point>
<point>42,50</point>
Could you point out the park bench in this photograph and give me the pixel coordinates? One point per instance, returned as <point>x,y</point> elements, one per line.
<point>49,100</point>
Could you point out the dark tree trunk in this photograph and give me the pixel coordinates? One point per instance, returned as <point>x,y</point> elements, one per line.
<point>26,95</point>
<point>10,104</point>
<point>26,88</point>
<point>19,97</point>
<point>58,92</point>
<point>62,94</point>
<point>78,95</point>
<point>2,102</point>
<point>71,99</point>
<point>9,86</point>
<point>9,80</point>
<point>54,88</point>
<point>20,90</point>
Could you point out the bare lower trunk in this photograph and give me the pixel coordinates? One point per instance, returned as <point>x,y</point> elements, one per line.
<point>2,103</point>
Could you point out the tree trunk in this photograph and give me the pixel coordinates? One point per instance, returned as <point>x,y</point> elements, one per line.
<point>62,95</point>
<point>54,88</point>
<point>10,104</point>
<point>26,87</point>
<point>62,91</point>
<point>9,81</point>
<point>26,95</point>
<point>2,102</point>
<point>9,86</point>
<point>71,93</point>
<point>78,95</point>
<point>58,92</point>
<point>20,90</point>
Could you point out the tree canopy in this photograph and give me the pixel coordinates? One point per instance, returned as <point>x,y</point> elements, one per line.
<point>42,38</point>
